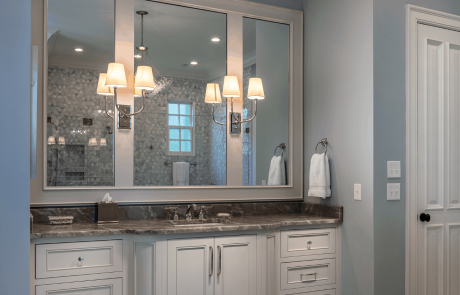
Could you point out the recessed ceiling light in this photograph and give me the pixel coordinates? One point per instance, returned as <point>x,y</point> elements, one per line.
<point>215,39</point>
<point>137,56</point>
<point>194,63</point>
<point>78,49</point>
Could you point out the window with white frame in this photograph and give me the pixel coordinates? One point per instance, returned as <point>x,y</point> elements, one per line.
<point>181,129</point>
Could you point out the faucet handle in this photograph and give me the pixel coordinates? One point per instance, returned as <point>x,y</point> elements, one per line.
<point>176,217</point>
<point>201,211</point>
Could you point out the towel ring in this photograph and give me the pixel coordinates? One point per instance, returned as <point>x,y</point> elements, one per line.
<point>323,142</point>
<point>282,146</point>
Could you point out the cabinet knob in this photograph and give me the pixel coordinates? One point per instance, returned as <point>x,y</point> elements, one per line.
<point>425,217</point>
<point>80,259</point>
<point>309,244</point>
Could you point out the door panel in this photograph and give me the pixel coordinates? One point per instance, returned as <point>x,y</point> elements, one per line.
<point>236,261</point>
<point>438,161</point>
<point>189,269</point>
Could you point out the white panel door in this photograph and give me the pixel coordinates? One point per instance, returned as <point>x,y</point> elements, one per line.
<point>191,267</point>
<point>236,265</point>
<point>438,161</point>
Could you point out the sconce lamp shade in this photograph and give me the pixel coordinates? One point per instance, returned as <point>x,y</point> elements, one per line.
<point>101,88</point>
<point>212,93</point>
<point>116,76</point>
<point>103,142</point>
<point>137,92</point>
<point>61,140</point>
<point>92,141</point>
<point>144,78</point>
<point>255,89</point>
<point>231,87</point>
<point>51,140</point>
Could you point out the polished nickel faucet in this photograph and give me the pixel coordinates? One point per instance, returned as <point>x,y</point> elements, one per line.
<point>189,212</point>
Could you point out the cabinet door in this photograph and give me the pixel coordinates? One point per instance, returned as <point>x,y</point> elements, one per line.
<point>236,265</point>
<point>99,287</point>
<point>190,267</point>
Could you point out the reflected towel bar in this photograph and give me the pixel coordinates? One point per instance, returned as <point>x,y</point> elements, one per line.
<point>193,164</point>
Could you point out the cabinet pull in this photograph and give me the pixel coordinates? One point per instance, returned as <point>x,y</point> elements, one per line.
<point>219,271</point>
<point>309,244</point>
<point>308,274</point>
<point>211,259</point>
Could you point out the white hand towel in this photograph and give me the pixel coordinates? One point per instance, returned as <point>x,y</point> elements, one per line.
<point>277,173</point>
<point>320,178</point>
<point>180,174</point>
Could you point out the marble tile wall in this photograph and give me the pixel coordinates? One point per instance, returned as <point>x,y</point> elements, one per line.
<point>71,97</point>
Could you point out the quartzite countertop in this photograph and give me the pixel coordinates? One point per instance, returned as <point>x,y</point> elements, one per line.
<point>162,226</point>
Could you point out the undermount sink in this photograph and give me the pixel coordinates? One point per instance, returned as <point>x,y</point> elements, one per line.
<point>200,222</point>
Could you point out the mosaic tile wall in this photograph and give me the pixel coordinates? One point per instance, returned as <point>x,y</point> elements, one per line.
<point>72,97</point>
<point>150,138</point>
<point>247,128</point>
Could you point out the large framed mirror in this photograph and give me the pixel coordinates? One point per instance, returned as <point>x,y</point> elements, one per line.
<point>79,135</point>
<point>176,142</point>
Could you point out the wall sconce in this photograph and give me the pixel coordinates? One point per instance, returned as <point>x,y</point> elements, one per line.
<point>115,78</point>
<point>232,89</point>
<point>56,140</point>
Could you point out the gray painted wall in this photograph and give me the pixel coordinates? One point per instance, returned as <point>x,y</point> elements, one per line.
<point>390,136</point>
<point>272,121</point>
<point>14,156</point>
<point>338,104</point>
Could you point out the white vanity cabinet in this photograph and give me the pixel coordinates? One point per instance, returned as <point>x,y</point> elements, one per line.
<point>216,265</point>
<point>297,260</point>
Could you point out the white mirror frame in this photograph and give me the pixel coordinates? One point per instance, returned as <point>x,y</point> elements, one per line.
<point>124,190</point>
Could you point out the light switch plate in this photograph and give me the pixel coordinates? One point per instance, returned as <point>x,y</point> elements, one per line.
<point>393,191</point>
<point>394,169</point>
<point>357,192</point>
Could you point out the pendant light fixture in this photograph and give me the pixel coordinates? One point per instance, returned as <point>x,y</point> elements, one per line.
<point>231,89</point>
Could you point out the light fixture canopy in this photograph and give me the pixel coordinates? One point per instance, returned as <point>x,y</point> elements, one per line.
<point>231,87</point>
<point>144,78</point>
<point>256,89</point>
<point>101,88</point>
<point>116,76</point>
<point>212,93</point>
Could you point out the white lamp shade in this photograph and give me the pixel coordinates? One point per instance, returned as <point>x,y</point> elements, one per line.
<point>116,76</point>
<point>255,89</point>
<point>101,88</point>
<point>212,93</point>
<point>103,142</point>
<point>231,87</point>
<point>92,141</point>
<point>61,140</point>
<point>51,140</point>
<point>137,92</point>
<point>144,78</point>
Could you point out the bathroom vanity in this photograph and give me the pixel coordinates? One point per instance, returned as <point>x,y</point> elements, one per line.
<point>263,254</point>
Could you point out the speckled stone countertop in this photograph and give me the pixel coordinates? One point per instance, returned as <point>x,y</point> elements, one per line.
<point>163,226</point>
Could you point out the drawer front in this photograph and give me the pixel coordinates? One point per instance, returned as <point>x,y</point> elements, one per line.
<point>307,242</point>
<point>99,287</point>
<point>325,292</point>
<point>301,274</point>
<point>73,259</point>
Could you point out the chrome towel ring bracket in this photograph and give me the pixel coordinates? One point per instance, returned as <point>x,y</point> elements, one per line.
<point>323,142</point>
<point>282,146</point>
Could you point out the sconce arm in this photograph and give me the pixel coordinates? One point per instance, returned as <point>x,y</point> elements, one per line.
<point>214,118</point>
<point>135,113</point>
<point>248,120</point>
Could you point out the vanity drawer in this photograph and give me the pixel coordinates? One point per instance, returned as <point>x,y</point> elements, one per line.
<point>307,242</point>
<point>62,259</point>
<point>302,274</point>
<point>99,287</point>
<point>324,292</point>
